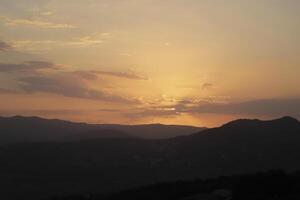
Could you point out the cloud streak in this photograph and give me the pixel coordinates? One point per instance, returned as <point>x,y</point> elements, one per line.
<point>35,66</point>
<point>4,46</point>
<point>47,77</point>
<point>42,112</point>
<point>85,41</point>
<point>270,107</point>
<point>259,108</point>
<point>34,23</point>
<point>158,112</point>
<point>67,85</point>
<point>7,91</point>
<point>27,66</point>
<point>207,86</point>
<point>94,74</point>
<point>127,75</point>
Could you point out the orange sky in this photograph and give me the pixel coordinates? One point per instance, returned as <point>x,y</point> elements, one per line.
<point>197,62</point>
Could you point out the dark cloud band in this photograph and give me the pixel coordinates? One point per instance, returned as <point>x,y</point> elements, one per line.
<point>4,46</point>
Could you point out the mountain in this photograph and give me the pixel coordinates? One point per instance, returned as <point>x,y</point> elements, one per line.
<point>273,184</point>
<point>43,169</point>
<point>242,146</point>
<point>35,129</point>
<point>98,134</point>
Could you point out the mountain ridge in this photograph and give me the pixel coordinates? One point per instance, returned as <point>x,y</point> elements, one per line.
<point>37,129</point>
<point>114,164</point>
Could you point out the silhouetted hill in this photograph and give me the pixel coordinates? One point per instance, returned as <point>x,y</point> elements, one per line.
<point>35,129</point>
<point>275,184</point>
<point>99,134</point>
<point>244,123</point>
<point>29,129</point>
<point>103,165</point>
<point>242,146</point>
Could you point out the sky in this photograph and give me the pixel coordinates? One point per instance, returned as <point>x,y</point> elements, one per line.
<point>193,62</point>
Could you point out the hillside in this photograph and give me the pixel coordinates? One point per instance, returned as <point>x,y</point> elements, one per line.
<point>273,184</point>
<point>34,129</point>
<point>103,165</point>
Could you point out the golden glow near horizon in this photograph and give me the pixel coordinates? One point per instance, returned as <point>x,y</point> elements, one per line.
<point>197,62</point>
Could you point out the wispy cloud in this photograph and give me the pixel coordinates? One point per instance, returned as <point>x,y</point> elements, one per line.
<point>47,77</point>
<point>85,41</point>
<point>40,45</point>
<point>67,85</point>
<point>27,66</point>
<point>34,66</point>
<point>128,75</point>
<point>263,107</point>
<point>42,112</point>
<point>47,13</point>
<point>207,86</point>
<point>7,91</point>
<point>4,46</point>
<point>259,108</point>
<point>152,112</point>
<point>94,74</point>
<point>34,23</point>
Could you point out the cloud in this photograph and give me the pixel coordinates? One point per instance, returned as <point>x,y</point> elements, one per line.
<point>67,85</point>
<point>264,107</point>
<point>85,41</point>
<point>207,86</point>
<point>34,45</point>
<point>27,66</point>
<point>258,108</point>
<point>47,13</point>
<point>158,112</point>
<point>6,91</point>
<point>4,46</point>
<point>42,112</point>
<point>47,77</point>
<point>34,23</point>
<point>128,75</point>
<point>93,74</point>
<point>35,66</point>
<point>109,110</point>
<point>87,75</point>
<point>47,45</point>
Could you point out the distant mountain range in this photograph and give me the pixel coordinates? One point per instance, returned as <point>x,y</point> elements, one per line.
<point>35,129</point>
<point>42,169</point>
